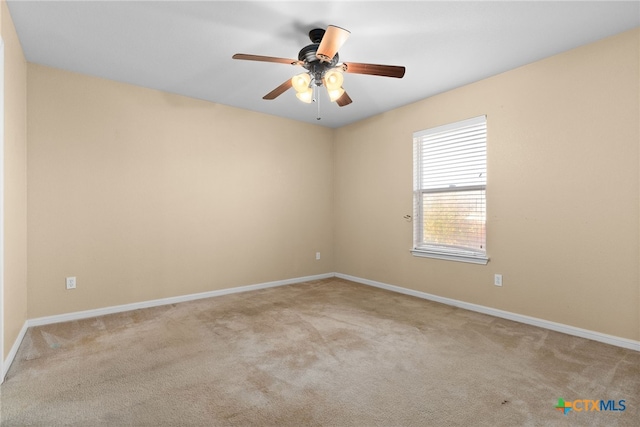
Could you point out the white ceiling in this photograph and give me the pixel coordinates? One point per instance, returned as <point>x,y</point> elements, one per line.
<point>186,47</point>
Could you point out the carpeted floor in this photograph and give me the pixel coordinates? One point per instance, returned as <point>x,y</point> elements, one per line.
<point>321,353</point>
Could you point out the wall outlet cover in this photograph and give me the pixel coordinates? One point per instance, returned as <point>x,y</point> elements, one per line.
<point>497,279</point>
<point>71,282</point>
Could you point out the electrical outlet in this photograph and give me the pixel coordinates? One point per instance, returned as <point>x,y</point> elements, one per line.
<point>71,282</point>
<point>317,255</point>
<point>497,279</point>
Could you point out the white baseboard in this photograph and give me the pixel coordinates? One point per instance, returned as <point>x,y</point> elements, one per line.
<point>558,327</point>
<point>12,353</point>
<point>165,301</point>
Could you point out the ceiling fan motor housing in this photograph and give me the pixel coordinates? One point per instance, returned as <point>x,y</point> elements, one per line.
<point>308,55</point>
<point>310,61</point>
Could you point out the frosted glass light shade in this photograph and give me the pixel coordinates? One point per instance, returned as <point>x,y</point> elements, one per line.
<point>333,80</point>
<point>306,96</point>
<point>301,82</point>
<point>335,94</point>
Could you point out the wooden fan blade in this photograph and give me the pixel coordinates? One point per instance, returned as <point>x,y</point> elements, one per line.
<point>261,58</point>
<point>374,69</point>
<point>332,41</point>
<point>279,90</point>
<point>344,100</point>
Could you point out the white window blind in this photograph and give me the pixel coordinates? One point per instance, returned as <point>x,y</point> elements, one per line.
<point>450,177</point>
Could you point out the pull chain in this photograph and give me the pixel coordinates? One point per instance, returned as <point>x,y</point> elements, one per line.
<point>317,101</point>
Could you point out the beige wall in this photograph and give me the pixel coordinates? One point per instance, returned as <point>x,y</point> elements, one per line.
<point>563,191</point>
<point>143,195</point>
<point>15,182</point>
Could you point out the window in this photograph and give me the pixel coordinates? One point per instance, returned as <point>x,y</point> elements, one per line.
<point>449,184</point>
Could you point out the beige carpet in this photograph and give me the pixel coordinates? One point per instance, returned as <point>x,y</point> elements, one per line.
<point>322,353</point>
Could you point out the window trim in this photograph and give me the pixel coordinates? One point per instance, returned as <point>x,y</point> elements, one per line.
<point>472,259</point>
<point>450,254</point>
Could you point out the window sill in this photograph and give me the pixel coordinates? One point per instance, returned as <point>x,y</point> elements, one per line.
<point>473,259</point>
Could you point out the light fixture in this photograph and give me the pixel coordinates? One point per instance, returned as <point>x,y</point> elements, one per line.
<point>305,96</point>
<point>301,82</point>
<point>335,94</point>
<point>333,79</point>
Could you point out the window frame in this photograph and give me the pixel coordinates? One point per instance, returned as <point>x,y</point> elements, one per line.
<point>451,253</point>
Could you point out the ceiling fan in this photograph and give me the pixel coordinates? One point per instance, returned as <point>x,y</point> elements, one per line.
<point>320,59</point>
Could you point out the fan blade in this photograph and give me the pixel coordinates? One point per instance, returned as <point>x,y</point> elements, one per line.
<point>344,100</point>
<point>279,90</point>
<point>374,69</point>
<point>332,41</point>
<point>261,58</point>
